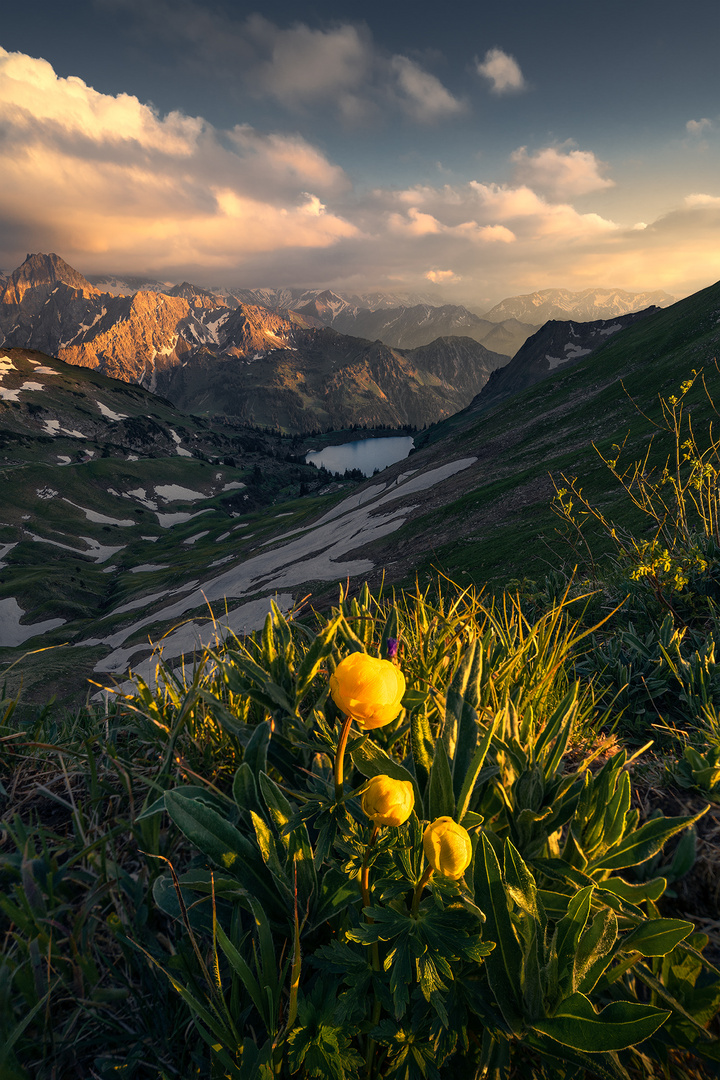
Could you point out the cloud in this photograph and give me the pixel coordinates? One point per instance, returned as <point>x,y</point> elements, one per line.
<point>442,277</point>
<point>304,66</point>
<point>422,95</point>
<point>338,70</point>
<point>107,177</point>
<point>561,174</point>
<point>112,185</point>
<point>698,127</point>
<point>503,71</point>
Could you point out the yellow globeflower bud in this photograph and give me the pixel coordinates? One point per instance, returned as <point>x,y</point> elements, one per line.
<point>448,847</point>
<point>387,801</point>
<point>368,689</point>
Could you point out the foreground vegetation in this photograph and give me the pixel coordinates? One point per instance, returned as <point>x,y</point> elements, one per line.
<point>206,879</point>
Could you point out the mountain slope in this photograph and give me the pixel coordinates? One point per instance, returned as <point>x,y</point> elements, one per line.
<point>556,345</point>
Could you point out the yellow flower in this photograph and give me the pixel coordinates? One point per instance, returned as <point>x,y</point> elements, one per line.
<point>387,801</point>
<point>368,689</point>
<point>448,847</point>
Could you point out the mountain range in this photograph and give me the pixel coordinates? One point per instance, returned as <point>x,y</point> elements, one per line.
<point>266,367</point>
<point>123,518</point>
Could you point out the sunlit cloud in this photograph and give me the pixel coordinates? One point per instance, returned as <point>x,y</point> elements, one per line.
<point>111,184</point>
<point>563,174</point>
<point>88,172</point>
<point>502,71</point>
<point>442,277</point>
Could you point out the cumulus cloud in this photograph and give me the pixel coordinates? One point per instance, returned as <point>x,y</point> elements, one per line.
<point>442,277</point>
<point>100,174</point>
<point>563,174</point>
<point>422,95</point>
<point>111,184</point>
<point>502,71</point>
<point>338,70</point>
<point>698,127</point>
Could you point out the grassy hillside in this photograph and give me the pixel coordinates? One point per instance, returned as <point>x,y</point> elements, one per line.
<point>495,522</point>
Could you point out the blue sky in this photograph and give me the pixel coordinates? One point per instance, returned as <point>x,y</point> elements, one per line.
<point>468,153</point>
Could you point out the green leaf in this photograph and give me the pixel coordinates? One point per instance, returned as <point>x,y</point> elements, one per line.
<point>460,731</point>
<point>441,801</point>
<point>249,981</point>
<point>245,790</point>
<point>504,964</point>
<point>222,843</point>
<point>620,1024</point>
<point>636,894</point>
<point>297,843</point>
<point>643,843</point>
<point>314,657</point>
<point>255,755</point>
<point>569,930</point>
<point>657,937</point>
<point>473,770</point>
<point>595,950</point>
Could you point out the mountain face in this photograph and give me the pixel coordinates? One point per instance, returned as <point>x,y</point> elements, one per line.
<point>585,306</point>
<point>267,367</point>
<point>410,327</point>
<point>329,380</point>
<point>556,346</point>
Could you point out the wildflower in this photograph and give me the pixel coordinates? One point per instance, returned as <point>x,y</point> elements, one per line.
<point>367,689</point>
<point>392,648</point>
<point>447,847</point>
<point>387,801</point>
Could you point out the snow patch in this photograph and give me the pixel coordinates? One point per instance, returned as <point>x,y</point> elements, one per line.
<point>166,521</point>
<point>12,632</point>
<point>176,493</point>
<point>109,414</point>
<point>52,427</point>
<point>101,519</point>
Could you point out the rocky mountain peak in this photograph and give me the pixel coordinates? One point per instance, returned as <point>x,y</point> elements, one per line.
<point>43,273</point>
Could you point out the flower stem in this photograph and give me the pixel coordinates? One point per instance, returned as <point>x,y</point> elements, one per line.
<point>374,950</point>
<point>339,756</point>
<point>365,873</point>
<point>419,888</point>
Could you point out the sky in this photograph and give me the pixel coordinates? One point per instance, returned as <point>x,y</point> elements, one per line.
<point>465,153</point>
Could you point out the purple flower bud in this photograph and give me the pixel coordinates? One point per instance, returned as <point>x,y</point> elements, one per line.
<point>392,647</point>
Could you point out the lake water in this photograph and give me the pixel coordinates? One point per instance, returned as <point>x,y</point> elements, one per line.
<point>365,454</point>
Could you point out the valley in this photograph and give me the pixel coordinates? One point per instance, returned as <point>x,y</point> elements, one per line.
<point>128,522</point>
